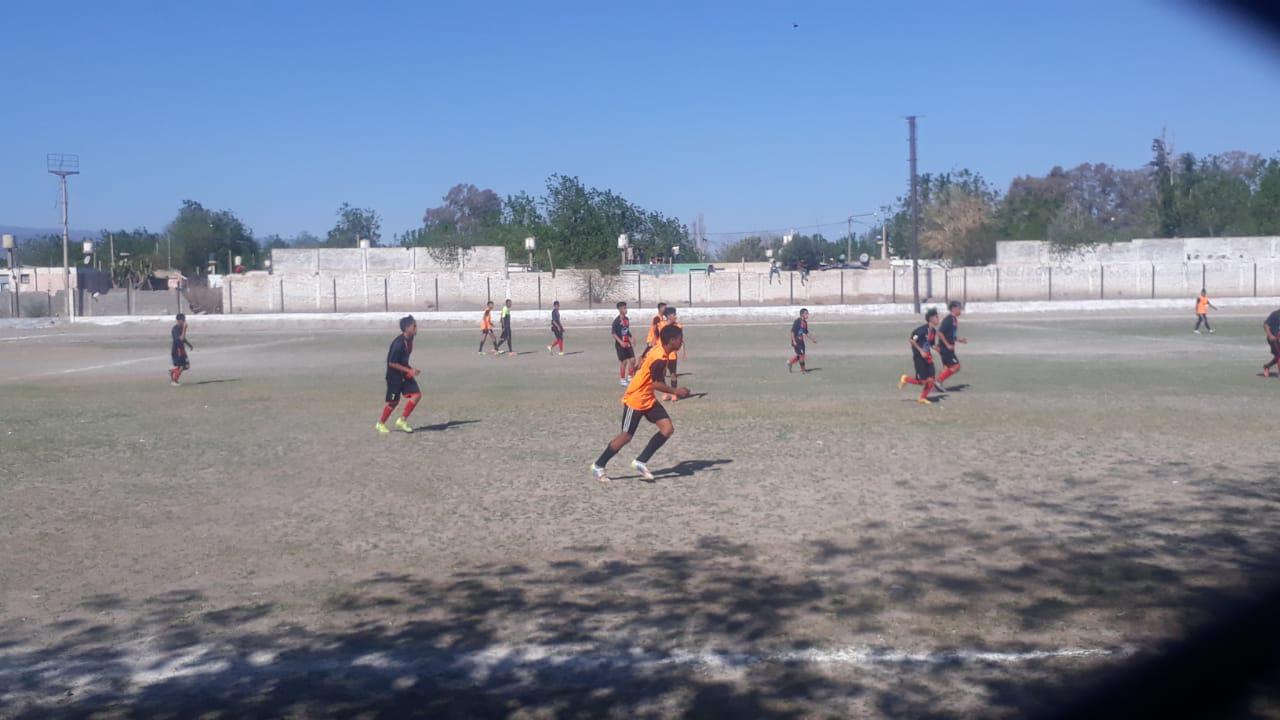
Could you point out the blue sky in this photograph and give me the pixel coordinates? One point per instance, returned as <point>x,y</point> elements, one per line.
<point>280,111</point>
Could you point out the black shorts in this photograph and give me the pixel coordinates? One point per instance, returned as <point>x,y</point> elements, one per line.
<point>800,349</point>
<point>625,352</point>
<point>558,333</point>
<point>631,417</point>
<point>949,358</point>
<point>1275,347</point>
<point>181,361</point>
<point>924,368</point>
<point>396,388</point>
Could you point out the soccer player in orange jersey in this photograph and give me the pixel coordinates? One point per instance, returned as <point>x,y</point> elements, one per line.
<point>670,318</point>
<point>486,328</point>
<point>654,326</point>
<point>639,401</point>
<point>1202,311</point>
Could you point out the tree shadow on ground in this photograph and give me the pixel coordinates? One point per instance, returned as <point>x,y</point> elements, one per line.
<point>719,629</point>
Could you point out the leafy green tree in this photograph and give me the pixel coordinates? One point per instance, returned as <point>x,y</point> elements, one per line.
<point>354,224</point>
<point>197,234</point>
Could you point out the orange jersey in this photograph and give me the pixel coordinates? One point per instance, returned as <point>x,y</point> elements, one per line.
<point>1202,305</point>
<point>672,355</point>
<point>486,322</point>
<point>639,394</point>
<point>654,326</point>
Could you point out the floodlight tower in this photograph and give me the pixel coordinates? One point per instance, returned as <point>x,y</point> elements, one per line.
<point>63,165</point>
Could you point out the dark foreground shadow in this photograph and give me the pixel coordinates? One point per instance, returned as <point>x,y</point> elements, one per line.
<point>717,628</point>
<point>214,382</point>
<point>441,427</point>
<point>689,468</point>
<point>575,352</point>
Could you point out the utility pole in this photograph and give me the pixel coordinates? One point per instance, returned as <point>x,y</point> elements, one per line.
<point>112,236</point>
<point>915,215</point>
<point>63,165</point>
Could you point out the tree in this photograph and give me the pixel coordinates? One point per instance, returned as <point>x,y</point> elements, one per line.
<point>751,249</point>
<point>1166,202</point>
<point>199,235</point>
<point>354,224</point>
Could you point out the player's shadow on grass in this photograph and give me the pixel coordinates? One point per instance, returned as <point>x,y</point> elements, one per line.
<point>575,352</point>
<point>441,427</point>
<point>957,388</point>
<point>214,382</point>
<point>689,468</point>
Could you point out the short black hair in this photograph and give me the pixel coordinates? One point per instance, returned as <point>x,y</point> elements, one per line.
<point>181,317</point>
<point>489,303</point>
<point>804,310</point>
<point>669,333</point>
<point>557,302</point>
<point>407,322</point>
<point>621,304</point>
<point>661,305</point>
<point>954,304</point>
<point>671,310</point>
<point>931,314</point>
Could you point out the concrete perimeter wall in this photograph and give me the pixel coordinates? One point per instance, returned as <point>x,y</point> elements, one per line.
<point>383,261</point>
<point>354,292</point>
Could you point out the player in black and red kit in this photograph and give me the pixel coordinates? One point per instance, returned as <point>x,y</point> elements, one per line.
<point>401,380</point>
<point>178,349</point>
<point>557,330</point>
<point>948,338</point>
<point>622,344</point>
<point>1272,327</point>
<point>922,340</point>
<point>799,332</point>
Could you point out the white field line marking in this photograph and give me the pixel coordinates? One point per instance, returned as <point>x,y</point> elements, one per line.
<point>32,337</point>
<point>140,665</point>
<point>151,358</point>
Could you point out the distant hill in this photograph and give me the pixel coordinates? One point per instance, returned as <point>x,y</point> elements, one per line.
<point>26,233</point>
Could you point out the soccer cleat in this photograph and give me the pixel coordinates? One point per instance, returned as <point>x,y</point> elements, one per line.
<point>598,474</point>
<point>381,427</point>
<point>561,353</point>
<point>1210,331</point>
<point>174,383</point>
<point>938,387</point>
<point>550,351</point>
<point>923,401</point>
<point>789,366</point>
<point>902,382</point>
<point>1196,332</point>
<point>1266,372</point>
<point>623,382</point>
<point>642,469</point>
<point>403,425</point>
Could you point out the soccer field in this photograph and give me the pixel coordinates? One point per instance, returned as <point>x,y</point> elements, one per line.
<point>814,545</point>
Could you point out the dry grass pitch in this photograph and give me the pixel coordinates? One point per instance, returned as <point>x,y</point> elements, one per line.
<point>814,545</point>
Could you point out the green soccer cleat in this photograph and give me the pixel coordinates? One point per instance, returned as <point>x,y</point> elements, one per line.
<point>403,425</point>
<point>381,428</point>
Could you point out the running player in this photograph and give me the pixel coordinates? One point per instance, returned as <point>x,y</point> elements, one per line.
<point>639,402</point>
<point>622,345</point>
<point>505,319</point>
<point>799,330</point>
<point>654,326</point>
<point>178,349</point>
<point>557,330</point>
<point>922,339</point>
<point>1272,327</point>
<point>486,328</point>
<point>947,341</point>
<point>401,377</point>
<point>1202,311</point>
